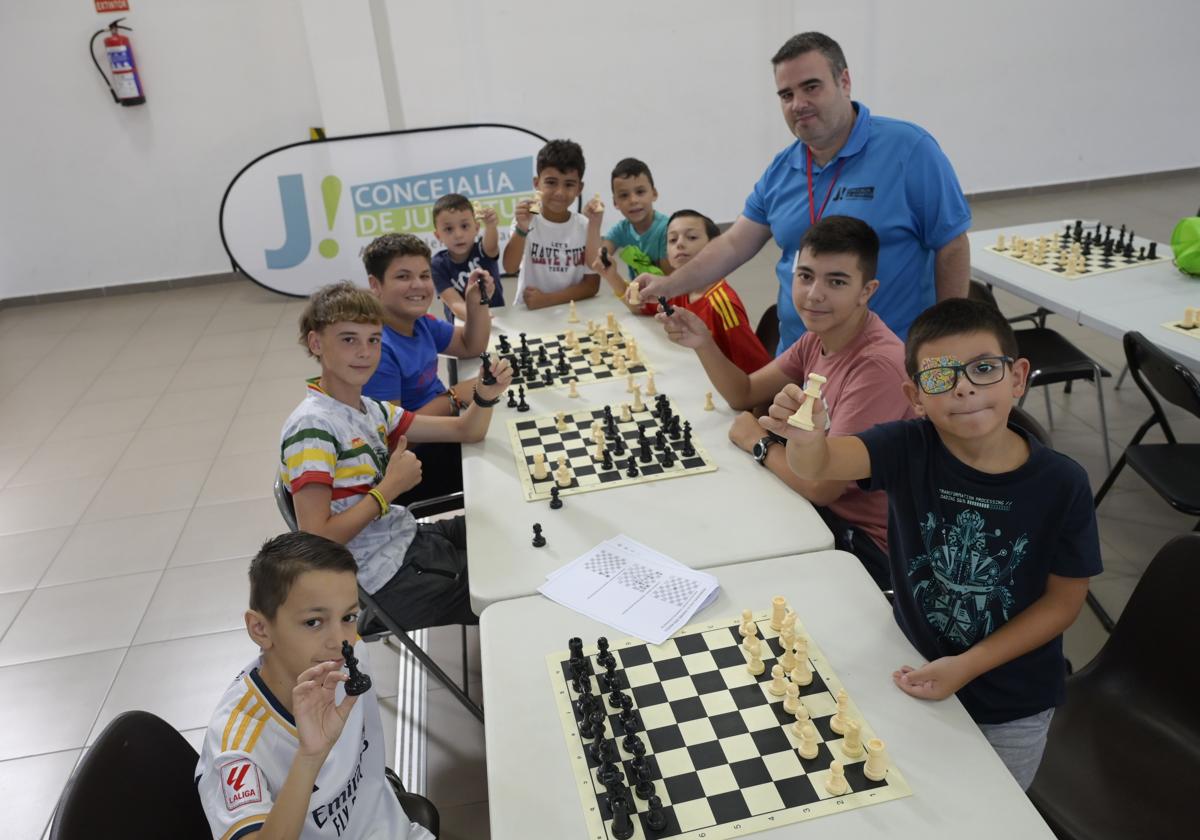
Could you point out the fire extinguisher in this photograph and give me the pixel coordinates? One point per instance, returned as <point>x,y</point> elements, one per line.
<point>126,85</point>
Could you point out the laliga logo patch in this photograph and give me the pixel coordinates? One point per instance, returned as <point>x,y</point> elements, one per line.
<point>240,784</point>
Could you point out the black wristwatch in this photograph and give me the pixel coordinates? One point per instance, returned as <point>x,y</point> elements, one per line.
<point>760,449</point>
<point>481,402</point>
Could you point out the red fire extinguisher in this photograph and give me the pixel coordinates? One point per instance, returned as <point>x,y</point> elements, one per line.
<point>126,85</point>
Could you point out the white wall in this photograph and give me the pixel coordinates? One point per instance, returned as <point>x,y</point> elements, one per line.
<point>94,194</point>
<point>1018,94</point>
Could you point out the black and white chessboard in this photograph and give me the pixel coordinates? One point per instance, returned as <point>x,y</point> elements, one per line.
<point>723,758</point>
<point>1126,250</point>
<point>1183,328</point>
<point>541,434</point>
<point>576,363</point>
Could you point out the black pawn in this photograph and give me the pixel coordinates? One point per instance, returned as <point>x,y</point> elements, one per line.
<point>521,404</point>
<point>631,467</point>
<point>555,502</point>
<point>538,539</point>
<point>618,445</point>
<point>512,399</point>
<point>542,358</point>
<point>660,440</point>
<point>524,344</point>
<point>644,788</point>
<point>668,458</point>
<point>603,656</point>
<point>358,682</point>
<point>631,738</point>
<point>487,377</point>
<point>606,462</point>
<point>656,819</point>
<point>622,825</point>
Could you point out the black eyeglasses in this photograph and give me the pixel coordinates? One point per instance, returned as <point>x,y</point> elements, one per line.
<point>986,371</point>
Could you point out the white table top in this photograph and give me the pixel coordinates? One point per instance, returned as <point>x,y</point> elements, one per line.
<point>740,512</point>
<point>1139,298</point>
<point>960,787</point>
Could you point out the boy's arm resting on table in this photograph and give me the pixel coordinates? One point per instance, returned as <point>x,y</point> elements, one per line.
<point>745,432</point>
<point>585,288</point>
<point>812,455</point>
<point>469,427</point>
<point>1043,620</point>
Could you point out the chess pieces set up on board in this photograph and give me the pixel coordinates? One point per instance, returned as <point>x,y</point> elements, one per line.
<point>1189,324</point>
<point>1077,251</point>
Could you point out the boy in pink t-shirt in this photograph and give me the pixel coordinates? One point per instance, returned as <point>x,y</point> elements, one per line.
<point>846,343</point>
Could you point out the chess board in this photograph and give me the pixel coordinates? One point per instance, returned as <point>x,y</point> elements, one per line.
<point>1094,263</point>
<point>541,434</point>
<point>1177,326</point>
<point>578,361</point>
<point>724,759</point>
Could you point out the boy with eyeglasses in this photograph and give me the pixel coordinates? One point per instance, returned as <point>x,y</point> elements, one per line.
<point>992,536</point>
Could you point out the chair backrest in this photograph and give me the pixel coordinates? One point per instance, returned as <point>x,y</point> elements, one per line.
<point>768,328</point>
<point>1149,650</point>
<point>287,508</point>
<point>1022,418</point>
<point>137,780</point>
<point>1150,368</point>
<point>982,294</point>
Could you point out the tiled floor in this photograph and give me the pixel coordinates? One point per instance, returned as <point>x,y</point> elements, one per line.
<point>127,514</point>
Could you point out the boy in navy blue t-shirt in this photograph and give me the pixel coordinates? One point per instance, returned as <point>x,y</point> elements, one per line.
<point>456,225</point>
<point>992,536</point>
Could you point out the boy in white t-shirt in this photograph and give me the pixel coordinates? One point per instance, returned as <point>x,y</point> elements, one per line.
<point>551,243</point>
<point>288,754</point>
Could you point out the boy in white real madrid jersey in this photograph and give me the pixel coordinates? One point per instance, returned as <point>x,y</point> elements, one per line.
<point>288,754</point>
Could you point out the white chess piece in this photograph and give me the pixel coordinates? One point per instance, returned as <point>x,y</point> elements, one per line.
<point>876,767</point>
<point>560,421</point>
<point>539,466</point>
<point>836,784</point>
<point>619,362</point>
<point>801,673</point>
<point>650,389</point>
<point>791,701</point>
<point>573,392</point>
<point>626,414</point>
<point>595,358</point>
<point>629,384</point>
<point>569,339</point>
<point>788,659</point>
<point>808,741</point>
<point>708,403</point>
<point>802,720</point>
<point>572,315</point>
<point>778,685</point>
<point>802,419</point>
<point>1189,320</point>
<point>1000,246</point>
<point>638,405</point>
<point>751,633</point>
<point>611,320</point>
<point>755,665</point>
<point>598,455</point>
<point>562,475</point>
<point>838,722</point>
<point>631,346</point>
<point>747,620</point>
<point>778,611</point>
<point>852,746</point>
<point>634,294</point>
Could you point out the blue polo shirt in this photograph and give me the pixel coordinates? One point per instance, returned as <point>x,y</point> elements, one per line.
<point>407,371</point>
<point>893,176</point>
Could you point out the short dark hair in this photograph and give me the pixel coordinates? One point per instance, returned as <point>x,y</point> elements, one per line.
<point>379,254</point>
<point>631,168</point>
<point>342,301</point>
<point>448,202</point>
<point>957,316</point>
<point>806,42</point>
<point>710,227</point>
<point>844,235</point>
<point>284,558</point>
<point>564,155</point>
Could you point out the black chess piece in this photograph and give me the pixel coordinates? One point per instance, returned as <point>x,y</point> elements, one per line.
<point>631,467</point>
<point>660,440</point>
<point>555,502</point>
<point>1141,253</point>
<point>358,682</point>
<point>542,358</point>
<point>486,377</point>
<point>644,787</point>
<point>512,399</point>
<point>521,404</point>
<point>622,825</point>
<point>688,449</point>
<point>666,306</point>
<point>524,344</point>
<point>575,646</point>
<point>644,452</point>
<point>656,818</point>
<point>1153,252</point>
<point>630,739</point>
<point>538,539</point>
<point>548,378</point>
<point>602,650</point>
<point>483,298</point>
<point>668,458</point>
<point>618,445</point>
<point>1128,253</point>
<point>606,462</point>
<point>604,257</point>
<point>615,695</point>
<point>639,755</point>
<point>502,345</point>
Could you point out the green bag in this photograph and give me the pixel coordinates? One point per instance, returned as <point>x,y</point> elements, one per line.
<point>639,261</point>
<point>1185,243</point>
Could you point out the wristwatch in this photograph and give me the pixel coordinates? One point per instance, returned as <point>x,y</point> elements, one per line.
<point>760,449</point>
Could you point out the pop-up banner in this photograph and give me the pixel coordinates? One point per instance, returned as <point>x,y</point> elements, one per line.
<point>298,217</point>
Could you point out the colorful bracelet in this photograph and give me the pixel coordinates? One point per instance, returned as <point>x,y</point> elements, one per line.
<point>383,503</point>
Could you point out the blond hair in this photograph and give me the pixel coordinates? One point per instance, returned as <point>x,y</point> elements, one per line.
<point>338,302</point>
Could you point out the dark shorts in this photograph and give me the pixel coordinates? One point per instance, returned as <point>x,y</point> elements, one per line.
<point>431,587</point>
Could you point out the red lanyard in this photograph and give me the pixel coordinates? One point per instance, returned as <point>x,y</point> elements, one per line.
<point>815,216</point>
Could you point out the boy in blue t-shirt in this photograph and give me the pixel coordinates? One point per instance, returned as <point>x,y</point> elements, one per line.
<point>399,271</point>
<point>992,536</point>
<point>643,227</point>
<point>456,225</point>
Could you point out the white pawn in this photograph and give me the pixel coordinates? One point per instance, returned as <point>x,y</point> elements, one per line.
<point>595,358</point>
<point>562,475</point>
<point>634,294</point>
<point>753,645</point>
<point>778,685</point>
<point>852,746</point>
<point>838,722</point>
<point>569,339</point>
<point>802,719</point>
<point>631,346</point>
<point>597,431</point>
<point>619,362</point>
<point>747,620</point>
<point>612,322</point>
<point>573,392</point>
<point>751,632</point>
<point>876,767</point>
<point>629,384</point>
<point>836,784</point>
<point>591,327</point>
<point>755,665</point>
<point>802,673</point>
<point>598,455</point>
<point>572,315</point>
<point>808,741</point>
<point>626,414</point>
<point>539,466</point>
<point>650,389</point>
<point>560,421</point>
<point>638,405</point>
<point>792,701</point>
<point>788,660</point>
<point>708,403</point>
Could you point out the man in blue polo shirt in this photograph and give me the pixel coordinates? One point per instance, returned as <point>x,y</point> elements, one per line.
<point>845,161</point>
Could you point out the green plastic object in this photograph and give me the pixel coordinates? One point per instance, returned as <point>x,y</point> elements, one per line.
<point>1185,243</point>
<point>639,261</point>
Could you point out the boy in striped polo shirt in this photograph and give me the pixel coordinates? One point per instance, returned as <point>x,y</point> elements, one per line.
<point>288,754</point>
<point>344,458</point>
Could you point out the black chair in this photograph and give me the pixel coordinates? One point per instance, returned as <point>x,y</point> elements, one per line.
<point>1023,419</point>
<point>1052,359</point>
<point>1123,755</point>
<point>1172,469</point>
<point>138,780</point>
<point>768,328</point>
<point>374,623</point>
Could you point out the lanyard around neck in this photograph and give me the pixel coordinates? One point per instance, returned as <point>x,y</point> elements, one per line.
<point>814,216</point>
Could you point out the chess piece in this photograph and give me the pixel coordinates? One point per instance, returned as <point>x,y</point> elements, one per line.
<point>788,659</point>
<point>358,682</point>
<point>512,398</point>
<point>539,470</point>
<point>631,467</point>
<point>591,328</point>
<point>618,361</point>
<point>626,414</point>
<point>651,391</point>
<point>751,633</point>
<point>560,421</point>
<point>778,610</point>
<point>633,294</point>
<point>622,825</point>
<point>808,741</point>
<point>666,305</point>
<point>1190,318</point>
<point>555,502</point>
<point>788,623</point>
<point>595,359</point>
<point>600,451</point>
<point>570,339</point>
<point>521,404</point>
<point>477,209</point>
<point>791,701</point>
<point>572,315</point>
<point>611,320</point>
<point>631,349</point>
<point>656,818</point>
<point>876,767</point>
<point>538,539</point>
<point>638,405</point>
<point>802,673</point>
<point>1000,246</point>
<point>753,645</point>
<point>836,784</point>
<point>573,391</point>
<point>852,746</point>
<point>562,476</point>
<point>755,665</point>
<point>838,722</point>
<point>629,384</point>
<point>535,203</point>
<point>708,403</point>
<point>802,419</point>
<point>802,718</point>
<point>486,376</point>
<point>778,685</point>
<point>747,621</point>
